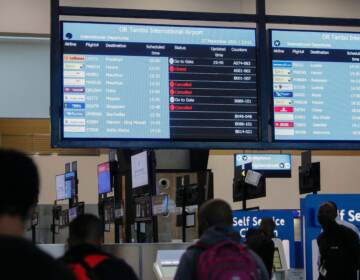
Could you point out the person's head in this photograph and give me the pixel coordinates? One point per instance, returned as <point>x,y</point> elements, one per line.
<point>254,237</point>
<point>214,212</point>
<point>252,233</point>
<point>267,225</point>
<point>335,206</point>
<point>85,229</point>
<point>326,215</point>
<point>19,186</point>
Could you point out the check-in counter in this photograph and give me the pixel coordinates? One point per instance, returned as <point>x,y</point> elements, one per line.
<point>140,256</point>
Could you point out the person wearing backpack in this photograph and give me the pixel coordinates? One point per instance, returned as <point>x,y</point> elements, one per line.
<point>219,255</point>
<point>85,257</point>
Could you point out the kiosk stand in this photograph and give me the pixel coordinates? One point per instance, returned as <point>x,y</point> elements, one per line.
<point>186,195</point>
<point>166,263</point>
<point>143,187</point>
<point>281,267</point>
<point>243,189</point>
<point>33,223</point>
<point>67,189</point>
<point>110,195</point>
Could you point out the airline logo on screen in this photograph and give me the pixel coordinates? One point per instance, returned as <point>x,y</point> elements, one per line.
<point>74,93</point>
<point>283,94</point>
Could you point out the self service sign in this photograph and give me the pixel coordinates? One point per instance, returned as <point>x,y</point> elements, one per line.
<point>284,221</point>
<point>348,210</point>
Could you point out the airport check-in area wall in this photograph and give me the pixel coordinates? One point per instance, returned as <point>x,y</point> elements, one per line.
<point>339,172</point>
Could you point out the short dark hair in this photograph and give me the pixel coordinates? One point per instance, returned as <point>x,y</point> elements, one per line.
<point>328,209</point>
<point>85,228</point>
<point>19,183</point>
<point>267,224</point>
<point>214,212</point>
<point>255,238</point>
<point>251,232</point>
<point>333,204</point>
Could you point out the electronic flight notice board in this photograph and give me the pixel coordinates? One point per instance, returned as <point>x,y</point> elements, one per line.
<point>137,81</point>
<point>316,85</point>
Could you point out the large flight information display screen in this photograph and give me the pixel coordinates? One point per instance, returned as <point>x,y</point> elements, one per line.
<point>141,81</point>
<point>316,85</point>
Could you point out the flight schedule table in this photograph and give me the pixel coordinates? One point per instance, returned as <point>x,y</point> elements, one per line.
<point>213,93</point>
<point>159,82</point>
<point>316,85</point>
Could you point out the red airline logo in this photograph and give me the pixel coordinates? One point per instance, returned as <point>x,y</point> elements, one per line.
<point>284,109</point>
<point>284,124</point>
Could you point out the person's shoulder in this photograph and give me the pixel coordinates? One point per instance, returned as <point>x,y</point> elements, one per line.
<point>50,267</point>
<point>115,261</point>
<point>26,254</point>
<point>269,241</point>
<point>321,235</point>
<point>345,229</point>
<point>22,248</point>
<point>117,267</point>
<point>348,232</point>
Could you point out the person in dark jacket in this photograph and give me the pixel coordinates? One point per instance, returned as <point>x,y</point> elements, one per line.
<point>85,257</point>
<point>267,225</point>
<point>215,226</point>
<point>338,246</point>
<point>20,259</point>
<point>262,245</point>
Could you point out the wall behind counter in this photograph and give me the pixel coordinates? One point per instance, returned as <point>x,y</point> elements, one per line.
<point>339,174</point>
<point>52,165</point>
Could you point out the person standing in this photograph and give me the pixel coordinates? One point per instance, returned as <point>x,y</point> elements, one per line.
<point>219,253</point>
<point>20,259</point>
<point>338,246</point>
<point>263,245</point>
<point>85,257</point>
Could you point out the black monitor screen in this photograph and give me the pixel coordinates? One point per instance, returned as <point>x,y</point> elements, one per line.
<point>306,160</point>
<point>316,85</point>
<point>309,179</point>
<point>188,194</point>
<point>165,82</point>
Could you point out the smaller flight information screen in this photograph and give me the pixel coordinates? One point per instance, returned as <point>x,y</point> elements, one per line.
<point>316,85</point>
<point>271,165</point>
<point>142,81</point>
